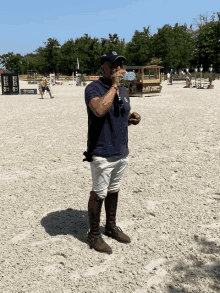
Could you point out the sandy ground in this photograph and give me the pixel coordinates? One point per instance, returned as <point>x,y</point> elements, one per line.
<point>168,203</point>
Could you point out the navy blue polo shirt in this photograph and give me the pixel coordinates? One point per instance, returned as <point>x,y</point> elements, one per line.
<point>108,135</point>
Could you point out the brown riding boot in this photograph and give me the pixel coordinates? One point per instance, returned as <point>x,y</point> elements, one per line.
<point>94,236</point>
<point>111,229</point>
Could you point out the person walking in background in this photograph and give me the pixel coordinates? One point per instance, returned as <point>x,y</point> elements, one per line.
<point>45,83</point>
<point>168,77</point>
<point>108,108</point>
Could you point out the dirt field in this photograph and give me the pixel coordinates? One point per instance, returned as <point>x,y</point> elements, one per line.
<point>168,204</point>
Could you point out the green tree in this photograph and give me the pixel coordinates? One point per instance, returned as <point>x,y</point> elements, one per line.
<point>138,50</point>
<point>68,57</point>
<point>174,46</point>
<point>47,58</point>
<point>114,44</point>
<point>12,62</point>
<point>208,46</point>
<point>163,46</point>
<point>87,50</point>
<point>207,36</point>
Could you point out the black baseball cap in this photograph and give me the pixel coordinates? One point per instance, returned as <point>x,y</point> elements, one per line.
<point>111,56</point>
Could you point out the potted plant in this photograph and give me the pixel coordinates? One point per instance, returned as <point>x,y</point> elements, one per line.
<point>189,82</point>
<point>211,78</point>
<point>138,77</point>
<point>126,84</point>
<point>82,77</point>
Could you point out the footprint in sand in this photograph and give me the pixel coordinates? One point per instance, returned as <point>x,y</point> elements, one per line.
<point>49,241</point>
<point>212,226</point>
<point>154,267</point>
<point>20,237</point>
<point>152,204</point>
<point>94,270</point>
<point>51,269</point>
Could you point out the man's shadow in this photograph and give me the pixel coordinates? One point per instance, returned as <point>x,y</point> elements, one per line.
<point>67,222</point>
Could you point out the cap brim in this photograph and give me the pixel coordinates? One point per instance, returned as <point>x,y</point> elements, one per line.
<point>119,58</point>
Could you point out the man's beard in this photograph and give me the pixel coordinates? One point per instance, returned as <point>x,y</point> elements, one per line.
<point>107,80</point>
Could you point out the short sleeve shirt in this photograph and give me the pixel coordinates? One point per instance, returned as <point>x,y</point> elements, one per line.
<point>108,135</point>
<point>45,82</point>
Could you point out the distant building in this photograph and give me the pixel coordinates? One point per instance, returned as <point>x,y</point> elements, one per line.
<point>1,71</point>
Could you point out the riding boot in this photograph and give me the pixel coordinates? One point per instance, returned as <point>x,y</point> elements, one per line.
<point>111,229</point>
<point>94,236</point>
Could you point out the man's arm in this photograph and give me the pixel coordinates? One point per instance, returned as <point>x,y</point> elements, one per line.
<point>129,115</point>
<point>101,106</point>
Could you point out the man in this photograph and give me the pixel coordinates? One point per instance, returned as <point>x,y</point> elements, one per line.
<point>45,86</point>
<point>168,77</point>
<point>108,108</point>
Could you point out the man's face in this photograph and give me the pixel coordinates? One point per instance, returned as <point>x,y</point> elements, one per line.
<point>111,68</point>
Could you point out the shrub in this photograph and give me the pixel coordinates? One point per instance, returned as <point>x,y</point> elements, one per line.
<point>211,78</point>
<point>126,84</point>
<point>138,76</point>
<point>82,77</point>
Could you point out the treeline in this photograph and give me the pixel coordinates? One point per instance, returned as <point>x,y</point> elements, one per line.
<point>177,47</point>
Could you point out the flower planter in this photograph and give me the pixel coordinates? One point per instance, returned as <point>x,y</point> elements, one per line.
<point>84,83</point>
<point>77,84</point>
<point>211,86</point>
<point>132,90</point>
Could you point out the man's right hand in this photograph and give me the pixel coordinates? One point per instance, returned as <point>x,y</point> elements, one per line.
<point>115,77</point>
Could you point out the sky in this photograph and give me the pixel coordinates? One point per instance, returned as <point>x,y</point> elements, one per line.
<point>26,25</point>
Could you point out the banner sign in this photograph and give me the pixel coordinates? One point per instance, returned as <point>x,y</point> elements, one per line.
<point>28,91</point>
<point>10,83</point>
<point>151,89</point>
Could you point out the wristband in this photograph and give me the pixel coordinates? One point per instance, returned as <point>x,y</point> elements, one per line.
<point>114,87</point>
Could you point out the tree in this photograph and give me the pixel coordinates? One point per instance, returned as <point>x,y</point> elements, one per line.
<point>87,52</point>
<point>174,46</point>
<point>138,51</point>
<point>48,58</point>
<point>12,62</point>
<point>207,36</point>
<point>208,46</point>
<point>163,46</point>
<point>68,57</point>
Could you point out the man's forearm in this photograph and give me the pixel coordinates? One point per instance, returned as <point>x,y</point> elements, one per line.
<point>105,103</point>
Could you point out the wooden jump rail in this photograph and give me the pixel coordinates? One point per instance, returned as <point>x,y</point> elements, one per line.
<point>176,79</point>
<point>179,79</point>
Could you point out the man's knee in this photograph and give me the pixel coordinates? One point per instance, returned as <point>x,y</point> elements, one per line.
<point>113,191</point>
<point>101,194</point>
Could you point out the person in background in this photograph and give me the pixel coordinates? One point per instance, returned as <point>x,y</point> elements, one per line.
<point>45,83</point>
<point>168,77</point>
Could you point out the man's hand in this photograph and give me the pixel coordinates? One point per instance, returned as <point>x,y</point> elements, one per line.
<point>115,76</point>
<point>134,118</point>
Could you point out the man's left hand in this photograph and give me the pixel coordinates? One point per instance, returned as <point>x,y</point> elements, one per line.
<point>134,118</point>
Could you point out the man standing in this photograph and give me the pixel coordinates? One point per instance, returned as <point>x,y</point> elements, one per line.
<point>168,77</point>
<point>108,108</point>
<point>45,86</point>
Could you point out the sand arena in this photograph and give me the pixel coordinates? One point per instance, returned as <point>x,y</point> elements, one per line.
<point>168,203</point>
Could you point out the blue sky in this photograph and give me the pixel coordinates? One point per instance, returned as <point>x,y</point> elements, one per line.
<point>26,25</point>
